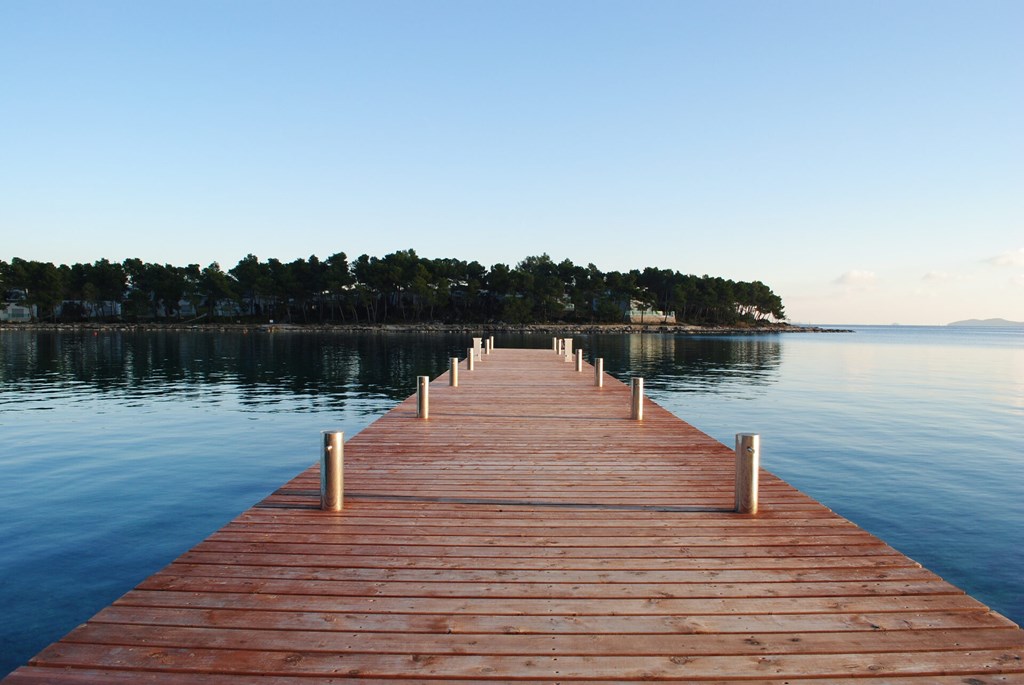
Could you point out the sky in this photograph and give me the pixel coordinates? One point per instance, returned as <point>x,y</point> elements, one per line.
<point>863,158</point>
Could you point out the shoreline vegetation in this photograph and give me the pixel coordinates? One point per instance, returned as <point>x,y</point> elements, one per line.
<point>399,288</point>
<point>425,327</point>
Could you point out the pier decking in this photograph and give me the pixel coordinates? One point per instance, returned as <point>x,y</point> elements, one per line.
<point>530,531</point>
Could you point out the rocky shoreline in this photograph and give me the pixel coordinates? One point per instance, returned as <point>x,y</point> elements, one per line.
<point>478,328</point>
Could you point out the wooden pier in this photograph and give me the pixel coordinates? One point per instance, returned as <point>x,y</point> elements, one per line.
<point>529,530</point>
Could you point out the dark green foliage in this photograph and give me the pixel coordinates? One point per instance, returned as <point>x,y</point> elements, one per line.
<point>399,287</point>
<point>42,282</point>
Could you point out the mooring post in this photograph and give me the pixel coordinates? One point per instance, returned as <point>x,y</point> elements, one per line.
<point>469,359</point>
<point>579,360</point>
<point>490,343</point>
<point>748,462</point>
<point>554,344</point>
<point>422,397</point>
<point>599,372</point>
<point>332,477</point>
<point>638,398</point>
<point>453,372</point>
<point>477,348</point>
<point>568,349</point>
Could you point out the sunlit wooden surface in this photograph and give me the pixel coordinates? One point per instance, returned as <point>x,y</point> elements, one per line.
<point>530,530</point>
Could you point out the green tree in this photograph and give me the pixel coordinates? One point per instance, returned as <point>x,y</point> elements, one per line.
<point>338,282</point>
<point>43,282</point>
<point>170,284</point>
<point>216,286</point>
<point>621,290</point>
<point>542,286</point>
<point>193,292</point>
<point>401,282</point>
<point>422,288</point>
<point>500,288</point>
<point>372,286</point>
<point>255,284</point>
<point>400,269</point>
<point>475,282</point>
<point>141,300</point>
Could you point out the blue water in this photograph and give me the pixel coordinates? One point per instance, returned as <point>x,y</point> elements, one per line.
<point>120,451</point>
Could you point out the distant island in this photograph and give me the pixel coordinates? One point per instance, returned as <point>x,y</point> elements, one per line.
<point>993,323</point>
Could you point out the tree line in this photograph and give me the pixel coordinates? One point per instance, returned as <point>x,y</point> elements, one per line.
<point>399,287</point>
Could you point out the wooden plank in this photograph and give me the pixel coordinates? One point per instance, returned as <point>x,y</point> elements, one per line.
<point>577,591</point>
<point>605,579</point>
<point>530,531</point>
<point>482,624</point>
<point>41,676</point>
<point>662,606</point>
<point>301,661</point>
<point>692,644</point>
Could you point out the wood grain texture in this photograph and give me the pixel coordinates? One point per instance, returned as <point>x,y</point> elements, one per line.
<point>530,531</point>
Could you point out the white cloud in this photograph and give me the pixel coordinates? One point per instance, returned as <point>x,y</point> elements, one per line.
<point>857,277</point>
<point>943,277</point>
<point>1014,258</point>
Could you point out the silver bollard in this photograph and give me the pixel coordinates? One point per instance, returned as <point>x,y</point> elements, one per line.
<point>490,344</point>
<point>332,476</point>
<point>599,372</point>
<point>469,359</point>
<point>422,397</point>
<point>453,372</point>
<point>554,344</point>
<point>579,361</point>
<point>748,463</point>
<point>638,399</point>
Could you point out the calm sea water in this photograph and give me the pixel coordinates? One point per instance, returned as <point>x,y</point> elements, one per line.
<point>120,451</point>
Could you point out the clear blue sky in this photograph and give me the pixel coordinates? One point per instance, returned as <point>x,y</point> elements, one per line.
<point>865,159</point>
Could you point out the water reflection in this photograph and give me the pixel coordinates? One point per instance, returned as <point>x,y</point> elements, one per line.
<point>716,364</point>
<point>326,367</point>
<point>330,367</point>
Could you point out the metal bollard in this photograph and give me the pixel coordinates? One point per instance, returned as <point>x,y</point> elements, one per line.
<point>554,344</point>
<point>422,397</point>
<point>490,343</point>
<point>599,372</point>
<point>469,359</point>
<point>453,372</point>
<point>579,361</point>
<point>332,477</point>
<point>638,399</point>
<point>748,463</point>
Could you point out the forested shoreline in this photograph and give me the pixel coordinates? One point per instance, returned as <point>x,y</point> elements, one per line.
<point>399,288</point>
